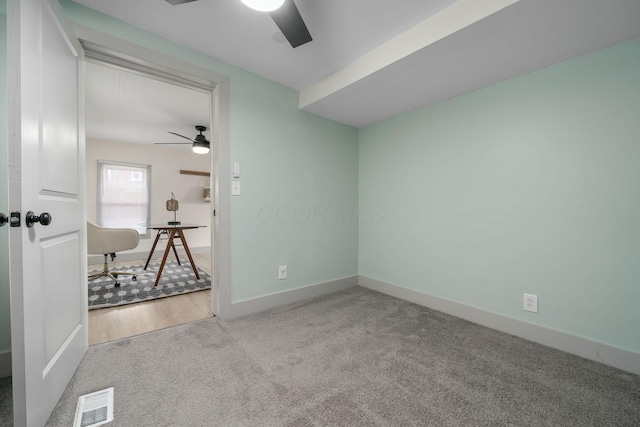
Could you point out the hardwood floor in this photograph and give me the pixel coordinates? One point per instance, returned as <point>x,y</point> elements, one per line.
<point>107,324</point>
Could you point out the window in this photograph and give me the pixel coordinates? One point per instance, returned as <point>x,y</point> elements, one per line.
<point>123,195</point>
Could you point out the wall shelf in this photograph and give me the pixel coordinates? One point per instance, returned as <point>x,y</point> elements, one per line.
<point>187,172</point>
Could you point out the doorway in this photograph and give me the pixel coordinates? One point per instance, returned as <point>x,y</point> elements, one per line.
<point>132,118</point>
<point>102,47</point>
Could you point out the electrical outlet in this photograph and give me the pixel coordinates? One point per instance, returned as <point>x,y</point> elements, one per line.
<point>282,272</point>
<point>530,303</point>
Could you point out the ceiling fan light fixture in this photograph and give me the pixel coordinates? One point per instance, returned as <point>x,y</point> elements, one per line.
<point>263,5</point>
<point>200,147</point>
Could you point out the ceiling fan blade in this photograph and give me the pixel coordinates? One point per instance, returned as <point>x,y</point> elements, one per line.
<point>172,143</point>
<point>181,136</point>
<point>177,2</point>
<point>290,22</point>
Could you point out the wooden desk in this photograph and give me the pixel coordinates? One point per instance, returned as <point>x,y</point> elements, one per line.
<point>172,232</point>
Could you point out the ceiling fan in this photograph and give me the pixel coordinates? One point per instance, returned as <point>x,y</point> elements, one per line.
<point>199,145</point>
<point>283,12</point>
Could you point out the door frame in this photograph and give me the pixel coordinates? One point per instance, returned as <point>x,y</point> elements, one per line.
<point>105,48</point>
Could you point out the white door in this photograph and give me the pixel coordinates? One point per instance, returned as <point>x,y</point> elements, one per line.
<point>46,163</point>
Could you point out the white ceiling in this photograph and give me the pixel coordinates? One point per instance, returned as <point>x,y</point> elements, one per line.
<point>374,59</point>
<point>127,107</point>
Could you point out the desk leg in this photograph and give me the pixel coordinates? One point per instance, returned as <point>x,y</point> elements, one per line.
<point>175,252</point>
<point>153,248</point>
<point>172,234</point>
<point>186,248</point>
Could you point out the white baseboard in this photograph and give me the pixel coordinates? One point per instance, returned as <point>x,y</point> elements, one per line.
<point>5,364</point>
<point>137,256</point>
<point>604,353</point>
<point>256,305</point>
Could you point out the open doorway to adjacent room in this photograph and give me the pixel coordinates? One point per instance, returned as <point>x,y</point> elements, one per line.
<point>135,163</point>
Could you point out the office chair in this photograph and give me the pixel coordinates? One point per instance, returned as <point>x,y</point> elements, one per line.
<point>108,241</point>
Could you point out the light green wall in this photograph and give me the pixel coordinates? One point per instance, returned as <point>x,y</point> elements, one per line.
<point>5,318</point>
<point>298,173</point>
<point>291,163</point>
<point>530,185</point>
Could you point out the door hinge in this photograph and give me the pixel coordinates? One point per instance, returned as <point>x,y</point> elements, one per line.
<point>214,212</point>
<point>14,219</point>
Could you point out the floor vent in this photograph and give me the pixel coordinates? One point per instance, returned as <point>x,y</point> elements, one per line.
<point>94,409</point>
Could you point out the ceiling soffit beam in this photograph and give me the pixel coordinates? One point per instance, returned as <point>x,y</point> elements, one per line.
<point>451,19</point>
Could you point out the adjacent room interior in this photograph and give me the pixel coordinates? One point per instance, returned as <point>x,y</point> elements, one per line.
<point>135,166</point>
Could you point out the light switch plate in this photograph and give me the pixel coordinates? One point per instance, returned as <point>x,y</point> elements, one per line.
<point>235,188</point>
<point>236,170</point>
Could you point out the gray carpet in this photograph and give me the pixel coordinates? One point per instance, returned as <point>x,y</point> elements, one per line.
<point>353,358</point>
<point>6,403</point>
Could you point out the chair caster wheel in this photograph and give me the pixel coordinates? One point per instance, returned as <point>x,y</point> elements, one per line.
<point>117,285</point>
<point>115,275</point>
<point>134,278</point>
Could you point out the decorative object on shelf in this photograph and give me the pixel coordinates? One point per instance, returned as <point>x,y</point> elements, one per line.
<point>207,194</point>
<point>172,206</point>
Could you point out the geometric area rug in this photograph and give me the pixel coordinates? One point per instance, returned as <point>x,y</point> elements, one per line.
<point>176,279</point>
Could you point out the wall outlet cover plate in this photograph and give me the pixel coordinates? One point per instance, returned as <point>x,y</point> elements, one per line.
<point>530,303</point>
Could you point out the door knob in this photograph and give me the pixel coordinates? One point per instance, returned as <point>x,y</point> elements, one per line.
<point>3,219</point>
<point>31,218</point>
